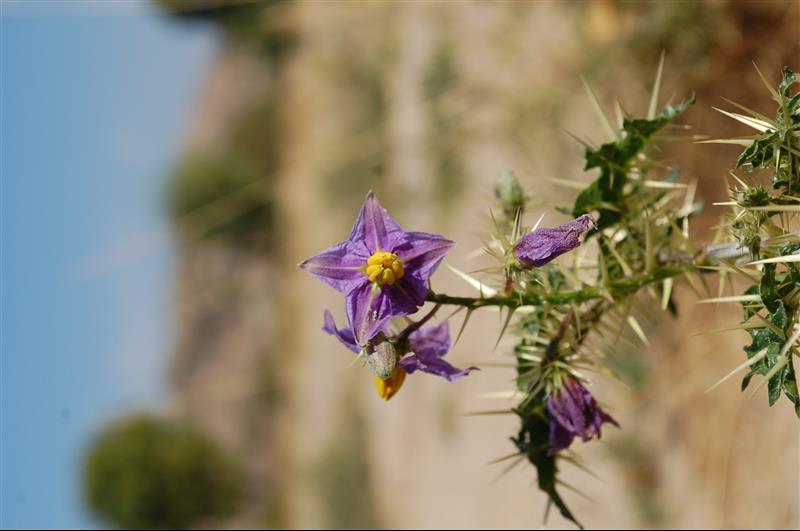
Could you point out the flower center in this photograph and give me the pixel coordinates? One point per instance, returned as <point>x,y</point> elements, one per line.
<point>384,268</point>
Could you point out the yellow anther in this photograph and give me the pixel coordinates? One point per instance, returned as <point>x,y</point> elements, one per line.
<point>373,271</point>
<point>384,268</point>
<point>389,387</point>
<point>397,269</point>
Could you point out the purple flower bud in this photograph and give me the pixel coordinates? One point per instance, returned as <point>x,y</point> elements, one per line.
<point>540,246</point>
<point>574,413</point>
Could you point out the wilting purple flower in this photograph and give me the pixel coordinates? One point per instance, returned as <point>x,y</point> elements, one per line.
<point>574,413</point>
<point>382,270</point>
<point>428,346</point>
<point>542,245</point>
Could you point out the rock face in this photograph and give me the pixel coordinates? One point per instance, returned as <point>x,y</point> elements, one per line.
<point>426,104</point>
<point>226,370</point>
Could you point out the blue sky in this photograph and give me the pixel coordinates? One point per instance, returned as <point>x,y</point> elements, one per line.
<point>95,102</point>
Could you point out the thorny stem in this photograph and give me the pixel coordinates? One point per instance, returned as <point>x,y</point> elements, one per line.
<point>623,286</point>
<point>552,348</point>
<point>414,326</point>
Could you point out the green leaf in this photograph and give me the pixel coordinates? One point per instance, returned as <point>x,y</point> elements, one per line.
<point>594,195</point>
<point>793,103</point>
<point>767,290</point>
<point>773,354</point>
<point>789,79</point>
<point>748,311</point>
<point>780,318</point>
<point>614,160</point>
<point>784,380</point>
<point>764,338</point>
<point>776,384</point>
<point>790,387</point>
<point>759,152</point>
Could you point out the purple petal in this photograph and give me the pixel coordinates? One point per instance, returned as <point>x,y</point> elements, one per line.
<point>408,294</point>
<point>369,309</point>
<point>573,410</point>
<point>601,419</point>
<point>436,366</point>
<point>559,439</point>
<point>374,225</point>
<point>345,335</point>
<point>421,252</point>
<point>368,312</point>
<point>339,266</point>
<point>431,342</point>
<point>566,406</point>
<point>540,246</point>
<point>429,345</point>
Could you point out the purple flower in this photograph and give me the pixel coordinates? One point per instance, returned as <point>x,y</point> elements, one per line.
<point>540,246</point>
<point>428,346</point>
<point>381,269</point>
<point>574,413</point>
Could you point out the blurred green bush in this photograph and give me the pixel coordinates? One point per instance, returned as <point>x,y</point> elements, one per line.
<point>147,473</point>
<point>229,194</point>
<point>256,24</point>
<point>222,196</point>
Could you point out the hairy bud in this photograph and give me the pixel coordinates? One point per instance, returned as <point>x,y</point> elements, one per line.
<point>382,359</point>
<point>508,190</point>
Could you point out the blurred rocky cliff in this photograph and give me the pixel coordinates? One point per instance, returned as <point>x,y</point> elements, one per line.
<point>309,105</point>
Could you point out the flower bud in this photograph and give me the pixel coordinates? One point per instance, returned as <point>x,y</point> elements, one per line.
<point>382,359</point>
<point>542,245</point>
<point>508,190</point>
<point>574,413</point>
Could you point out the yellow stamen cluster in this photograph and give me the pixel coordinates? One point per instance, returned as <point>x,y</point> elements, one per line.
<point>389,387</point>
<point>384,268</point>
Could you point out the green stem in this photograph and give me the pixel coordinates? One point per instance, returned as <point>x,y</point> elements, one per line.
<point>623,286</point>
<point>413,327</point>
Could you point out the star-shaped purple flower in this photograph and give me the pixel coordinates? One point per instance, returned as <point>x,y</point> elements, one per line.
<point>382,270</point>
<point>428,346</point>
<point>542,245</point>
<point>574,413</point>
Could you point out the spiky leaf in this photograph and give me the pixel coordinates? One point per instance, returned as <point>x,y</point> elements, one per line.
<point>532,441</point>
<point>614,160</point>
